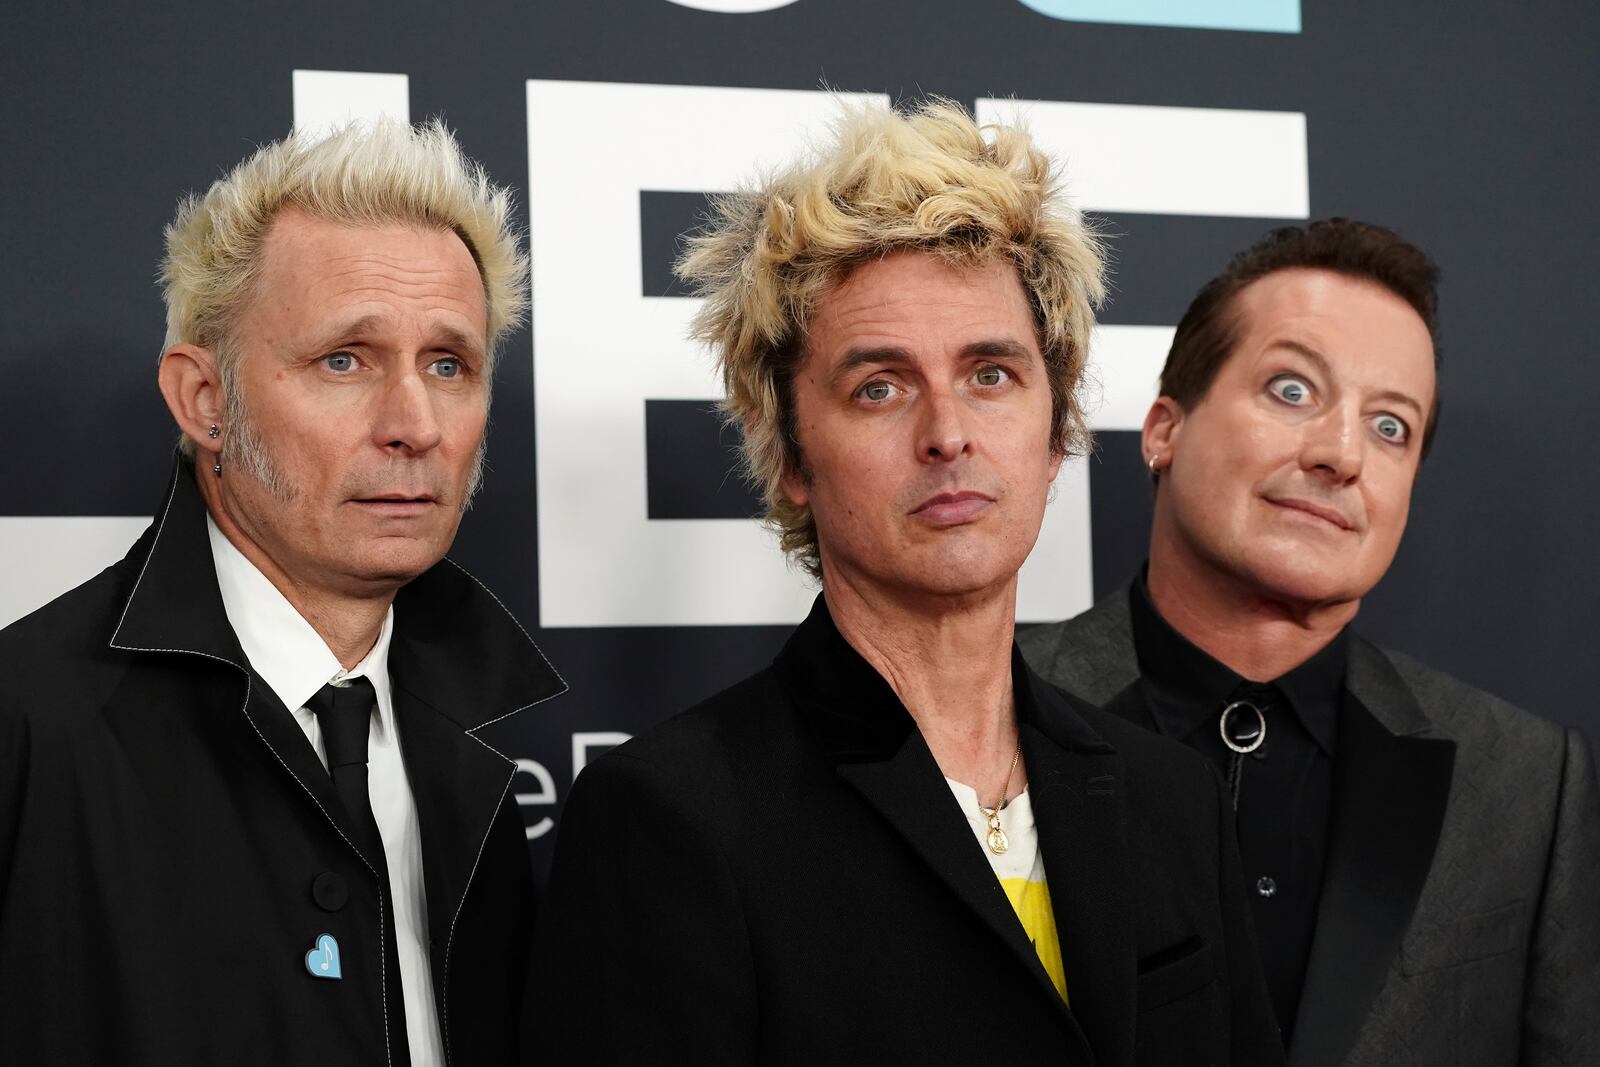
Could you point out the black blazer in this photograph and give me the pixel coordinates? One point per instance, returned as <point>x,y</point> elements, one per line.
<point>171,847</point>
<point>781,875</point>
<point>1460,913</point>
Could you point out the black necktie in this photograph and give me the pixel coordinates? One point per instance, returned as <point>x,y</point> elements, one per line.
<point>345,713</point>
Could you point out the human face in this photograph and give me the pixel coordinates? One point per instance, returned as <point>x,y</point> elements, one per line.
<point>1292,476</point>
<point>923,414</point>
<point>362,370</point>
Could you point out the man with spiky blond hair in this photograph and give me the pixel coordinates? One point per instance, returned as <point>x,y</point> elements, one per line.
<point>897,844</point>
<point>244,814</point>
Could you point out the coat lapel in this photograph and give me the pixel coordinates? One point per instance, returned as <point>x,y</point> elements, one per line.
<point>876,748</point>
<point>176,607</point>
<point>908,790</point>
<point>458,784</point>
<point>1091,656</point>
<point>1081,813</point>
<point>1390,789</point>
<point>458,660</point>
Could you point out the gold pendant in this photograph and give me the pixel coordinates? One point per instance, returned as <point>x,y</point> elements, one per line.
<point>998,841</point>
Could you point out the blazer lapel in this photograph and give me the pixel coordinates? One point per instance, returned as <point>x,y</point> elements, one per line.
<point>176,607</point>
<point>275,725</point>
<point>1091,656</point>
<point>908,790</point>
<point>1130,704</point>
<point>459,662</point>
<point>1079,809</point>
<point>1390,791</point>
<point>875,747</point>
<point>458,784</point>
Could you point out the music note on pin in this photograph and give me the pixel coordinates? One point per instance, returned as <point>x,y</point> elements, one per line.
<point>323,961</point>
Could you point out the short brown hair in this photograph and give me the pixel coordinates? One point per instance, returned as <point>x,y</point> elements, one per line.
<point>1209,329</point>
<point>931,181</point>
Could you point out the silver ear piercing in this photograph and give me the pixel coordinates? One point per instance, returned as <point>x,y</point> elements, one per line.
<point>213,433</point>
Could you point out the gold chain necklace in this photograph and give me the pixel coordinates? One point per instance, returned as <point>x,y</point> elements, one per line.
<point>998,841</point>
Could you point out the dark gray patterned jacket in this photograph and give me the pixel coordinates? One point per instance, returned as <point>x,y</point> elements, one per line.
<point>1460,912</point>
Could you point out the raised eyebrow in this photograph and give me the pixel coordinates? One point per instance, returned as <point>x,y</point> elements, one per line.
<point>1314,357</point>
<point>1321,363</point>
<point>1396,397</point>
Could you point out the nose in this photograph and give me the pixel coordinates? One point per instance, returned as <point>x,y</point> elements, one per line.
<point>1333,446</point>
<point>406,420</point>
<point>942,432</point>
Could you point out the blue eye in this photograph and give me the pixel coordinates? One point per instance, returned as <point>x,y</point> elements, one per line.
<point>877,391</point>
<point>1290,390</point>
<point>1391,428</point>
<point>447,368</point>
<point>339,362</point>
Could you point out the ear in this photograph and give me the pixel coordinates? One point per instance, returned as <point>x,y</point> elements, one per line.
<point>192,387</point>
<point>1163,424</point>
<point>1056,459</point>
<point>794,488</point>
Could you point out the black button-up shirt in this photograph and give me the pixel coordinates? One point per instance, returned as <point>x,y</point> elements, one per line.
<point>1285,787</point>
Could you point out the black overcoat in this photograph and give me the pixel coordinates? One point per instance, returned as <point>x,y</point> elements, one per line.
<point>171,847</point>
<point>781,875</point>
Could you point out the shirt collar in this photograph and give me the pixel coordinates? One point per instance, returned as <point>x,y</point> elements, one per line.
<point>282,647</point>
<point>1186,687</point>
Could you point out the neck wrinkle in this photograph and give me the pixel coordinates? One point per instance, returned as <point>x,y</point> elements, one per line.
<point>949,662</point>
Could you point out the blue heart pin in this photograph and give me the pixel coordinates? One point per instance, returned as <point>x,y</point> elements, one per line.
<point>323,961</point>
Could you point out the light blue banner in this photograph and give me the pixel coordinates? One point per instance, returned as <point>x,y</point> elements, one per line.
<point>1265,16</point>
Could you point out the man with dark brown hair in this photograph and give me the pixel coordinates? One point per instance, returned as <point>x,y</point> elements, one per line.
<point>1297,403</point>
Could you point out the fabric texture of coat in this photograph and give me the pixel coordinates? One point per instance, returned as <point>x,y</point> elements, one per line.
<point>171,847</point>
<point>782,875</point>
<point>1459,921</point>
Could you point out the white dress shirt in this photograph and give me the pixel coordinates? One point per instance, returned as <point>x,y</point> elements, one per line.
<point>295,663</point>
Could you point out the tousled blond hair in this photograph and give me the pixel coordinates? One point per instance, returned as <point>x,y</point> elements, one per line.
<point>932,181</point>
<point>362,174</point>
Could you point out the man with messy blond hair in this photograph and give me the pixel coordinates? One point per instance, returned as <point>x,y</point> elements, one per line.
<point>244,814</point>
<point>897,844</point>
<point>938,185</point>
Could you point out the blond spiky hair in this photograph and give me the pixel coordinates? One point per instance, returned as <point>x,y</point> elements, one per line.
<point>362,175</point>
<point>932,181</point>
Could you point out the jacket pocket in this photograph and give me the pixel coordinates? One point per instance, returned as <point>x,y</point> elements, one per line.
<point>1181,1016</point>
<point>1174,973</point>
<point>1435,946</point>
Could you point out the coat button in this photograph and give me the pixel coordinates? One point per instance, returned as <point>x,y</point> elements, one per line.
<point>329,891</point>
<point>1266,886</point>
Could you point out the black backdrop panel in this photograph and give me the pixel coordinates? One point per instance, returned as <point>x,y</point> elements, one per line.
<point>1470,127</point>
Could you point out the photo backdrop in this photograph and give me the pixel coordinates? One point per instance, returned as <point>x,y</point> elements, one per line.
<point>612,523</point>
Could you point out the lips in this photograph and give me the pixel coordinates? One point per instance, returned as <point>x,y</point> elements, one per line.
<point>952,509</point>
<point>1321,511</point>
<point>395,504</point>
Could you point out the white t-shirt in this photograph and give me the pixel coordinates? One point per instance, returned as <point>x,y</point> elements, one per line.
<point>1020,870</point>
